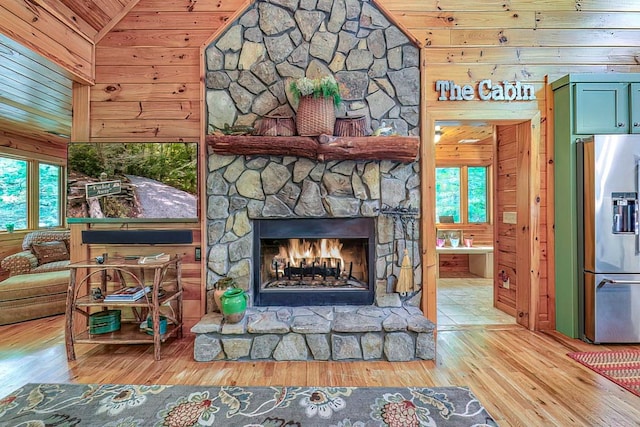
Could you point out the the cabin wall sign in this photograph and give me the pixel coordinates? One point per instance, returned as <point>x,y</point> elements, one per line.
<point>485,90</point>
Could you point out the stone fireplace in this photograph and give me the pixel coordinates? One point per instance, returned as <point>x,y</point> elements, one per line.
<point>249,68</point>
<point>244,192</point>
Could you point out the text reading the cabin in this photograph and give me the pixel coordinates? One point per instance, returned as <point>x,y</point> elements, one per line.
<point>486,90</point>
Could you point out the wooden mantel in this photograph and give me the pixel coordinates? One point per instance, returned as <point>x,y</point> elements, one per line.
<point>322,148</point>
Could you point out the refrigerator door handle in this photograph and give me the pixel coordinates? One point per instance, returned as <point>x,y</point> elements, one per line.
<point>636,224</point>
<point>618,282</point>
<point>636,231</point>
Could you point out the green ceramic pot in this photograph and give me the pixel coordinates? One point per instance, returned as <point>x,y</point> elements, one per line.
<point>234,304</point>
<point>220,287</point>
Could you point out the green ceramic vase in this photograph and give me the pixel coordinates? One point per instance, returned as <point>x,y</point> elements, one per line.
<point>234,304</point>
<point>220,287</point>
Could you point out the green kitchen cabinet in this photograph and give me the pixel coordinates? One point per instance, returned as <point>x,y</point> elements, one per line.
<point>584,105</point>
<point>601,108</point>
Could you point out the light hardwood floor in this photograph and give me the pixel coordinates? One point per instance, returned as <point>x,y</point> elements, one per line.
<point>524,378</point>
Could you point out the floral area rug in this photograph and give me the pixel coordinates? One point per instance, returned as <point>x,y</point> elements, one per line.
<point>112,405</point>
<point>621,367</point>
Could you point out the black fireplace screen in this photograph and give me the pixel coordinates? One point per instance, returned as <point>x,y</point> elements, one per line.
<point>314,261</point>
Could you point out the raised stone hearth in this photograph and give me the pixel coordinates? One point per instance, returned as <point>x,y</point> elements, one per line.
<point>345,333</point>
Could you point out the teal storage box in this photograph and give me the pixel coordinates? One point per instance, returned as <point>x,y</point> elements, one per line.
<point>104,322</point>
<point>163,325</point>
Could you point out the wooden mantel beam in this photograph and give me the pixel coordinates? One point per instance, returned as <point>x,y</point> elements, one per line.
<point>301,146</point>
<point>323,148</point>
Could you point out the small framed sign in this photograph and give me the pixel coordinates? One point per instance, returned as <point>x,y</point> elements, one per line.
<point>103,188</point>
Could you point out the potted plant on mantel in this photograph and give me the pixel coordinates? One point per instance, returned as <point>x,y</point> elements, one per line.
<point>316,100</point>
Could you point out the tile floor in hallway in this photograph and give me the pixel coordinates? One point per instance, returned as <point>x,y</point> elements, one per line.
<point>468,301</point>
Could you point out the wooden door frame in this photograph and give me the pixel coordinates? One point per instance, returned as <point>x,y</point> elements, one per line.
<point>528,204</point>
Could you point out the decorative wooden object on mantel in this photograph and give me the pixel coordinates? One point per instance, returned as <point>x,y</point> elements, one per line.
<point>323,148</point>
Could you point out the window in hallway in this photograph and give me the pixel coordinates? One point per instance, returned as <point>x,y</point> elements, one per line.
<point>462,194</point>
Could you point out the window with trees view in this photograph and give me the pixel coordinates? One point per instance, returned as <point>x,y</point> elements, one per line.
<point>30,193</point>
<point>462,194</point>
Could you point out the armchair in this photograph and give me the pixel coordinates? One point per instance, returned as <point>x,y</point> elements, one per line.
<point>42,251</point>
<point>39,277</point>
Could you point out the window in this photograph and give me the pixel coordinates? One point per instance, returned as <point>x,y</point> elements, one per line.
<point>30,193</point>
<point>13,193</point>
<point>49,195</point>
<point>448,194</point>
<point>477,194</point>
<point>462,194</point>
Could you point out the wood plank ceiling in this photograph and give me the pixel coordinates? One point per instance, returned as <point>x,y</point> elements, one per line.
<point>464,133</point>
<point>35,93</point>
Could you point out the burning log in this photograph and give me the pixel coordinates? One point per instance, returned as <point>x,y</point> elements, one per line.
<point>314,263</point>
<point>309,272</point>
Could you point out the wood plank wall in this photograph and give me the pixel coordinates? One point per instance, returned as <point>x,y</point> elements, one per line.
<point>505,253</point>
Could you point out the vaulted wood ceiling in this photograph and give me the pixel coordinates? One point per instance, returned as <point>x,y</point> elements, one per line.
<point>93,16</point>
<point>35,93</point>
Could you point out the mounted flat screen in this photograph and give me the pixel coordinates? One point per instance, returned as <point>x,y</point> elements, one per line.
<point>141,181</point>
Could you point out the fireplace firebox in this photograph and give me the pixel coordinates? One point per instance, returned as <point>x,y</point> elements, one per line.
<point>314,261</point>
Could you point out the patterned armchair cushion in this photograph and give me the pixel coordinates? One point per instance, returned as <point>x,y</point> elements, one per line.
<point>50,251</point>
<point>20,263</point>
<point>45,236</point>
<point>51,266</point>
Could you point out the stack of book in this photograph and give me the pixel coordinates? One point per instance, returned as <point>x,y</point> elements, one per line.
<point>128,294</point>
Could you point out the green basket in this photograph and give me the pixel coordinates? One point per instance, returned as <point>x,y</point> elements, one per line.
<point>104,322</point>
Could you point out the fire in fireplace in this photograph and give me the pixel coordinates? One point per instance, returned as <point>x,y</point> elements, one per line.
<point>313,261</point>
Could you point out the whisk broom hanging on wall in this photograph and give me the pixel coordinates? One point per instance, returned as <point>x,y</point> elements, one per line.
<point>405,280</point>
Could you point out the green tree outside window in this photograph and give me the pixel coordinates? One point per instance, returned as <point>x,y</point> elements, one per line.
<point>462,193</point>
<point>477,194</point>
<point>50,177</point>
<point>448,193</point>
<point>30,193</point>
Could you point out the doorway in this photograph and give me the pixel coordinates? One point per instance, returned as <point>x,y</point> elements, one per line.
<point>465,187</point>
<point>514,219</point>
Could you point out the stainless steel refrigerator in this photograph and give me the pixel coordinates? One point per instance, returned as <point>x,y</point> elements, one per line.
<point>608,188</point>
